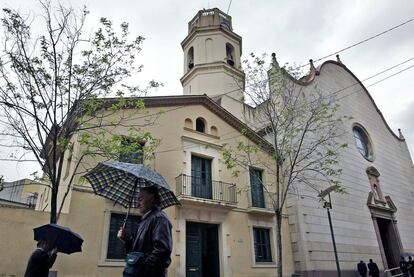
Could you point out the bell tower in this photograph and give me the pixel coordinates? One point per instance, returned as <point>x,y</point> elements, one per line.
<point>212,56</point>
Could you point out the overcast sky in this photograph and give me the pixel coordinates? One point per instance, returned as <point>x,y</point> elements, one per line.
<point>295,30</point>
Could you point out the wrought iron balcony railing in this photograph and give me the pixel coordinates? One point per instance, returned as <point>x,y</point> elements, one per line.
<point>199,187</point>
<point>264,202</point>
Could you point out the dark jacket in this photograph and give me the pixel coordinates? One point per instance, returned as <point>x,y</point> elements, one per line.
<point>362,269</point>
<point>404,267</point>
<point>411,267</point>
<point>39,264</point>
<point>373,270</point>
<point>153,238</point>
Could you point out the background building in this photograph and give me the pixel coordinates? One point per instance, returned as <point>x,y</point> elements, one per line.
<point>21,192</point>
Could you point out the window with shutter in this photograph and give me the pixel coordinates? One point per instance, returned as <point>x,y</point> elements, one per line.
<point>256,188</point>
<point>201,185</point>
<point>262,248</point>
<point>116,249</point>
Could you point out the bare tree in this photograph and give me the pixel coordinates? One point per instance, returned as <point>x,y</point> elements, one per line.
<point>56,84</point>
<point>300,122</point>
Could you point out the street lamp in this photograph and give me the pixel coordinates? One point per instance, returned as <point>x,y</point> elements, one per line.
<point>328,205</point>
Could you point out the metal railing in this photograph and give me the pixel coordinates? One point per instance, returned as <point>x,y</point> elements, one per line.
<point>218,18</point>
<point>389,272</point>
<point>266,203</point>
<point>205,188</point>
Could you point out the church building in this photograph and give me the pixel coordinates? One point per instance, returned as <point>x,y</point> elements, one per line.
<point>375,219</point>
<point>225,225</point>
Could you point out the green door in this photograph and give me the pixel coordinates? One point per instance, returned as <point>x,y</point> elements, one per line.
<point>202,250</point>
<point>193,252</point>
<point>201,177</point>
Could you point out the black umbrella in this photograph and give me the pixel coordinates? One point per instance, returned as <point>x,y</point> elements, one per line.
<point>118,181</point>
<point>63,238</point>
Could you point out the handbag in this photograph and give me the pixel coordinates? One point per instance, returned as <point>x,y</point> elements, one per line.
<point>132,264</point>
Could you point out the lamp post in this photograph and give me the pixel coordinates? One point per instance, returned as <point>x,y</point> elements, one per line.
<point>328,205</point>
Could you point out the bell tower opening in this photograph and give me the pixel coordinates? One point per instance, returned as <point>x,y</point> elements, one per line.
<point>190,58</point>
<point>212,56</point>
<point>230,54</point>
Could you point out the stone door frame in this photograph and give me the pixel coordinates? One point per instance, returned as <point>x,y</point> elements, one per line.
<point>386,211</point>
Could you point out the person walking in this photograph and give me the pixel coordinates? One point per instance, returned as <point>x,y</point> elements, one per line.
<point>41,260</point>
<point>373,269</point>
<point>152,238</point>
<point>362,269</point>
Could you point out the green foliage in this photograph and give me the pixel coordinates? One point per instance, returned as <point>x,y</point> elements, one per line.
<point>65,82</point>
<point>115,146</point>
<point>230,161</point>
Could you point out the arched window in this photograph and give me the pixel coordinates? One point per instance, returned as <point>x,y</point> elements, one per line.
<point>188,123</point>
<point>200,125</point>
<point>363,142</point>
<point>190,58</point>
<point>230,54</point>
<point>209,50</point>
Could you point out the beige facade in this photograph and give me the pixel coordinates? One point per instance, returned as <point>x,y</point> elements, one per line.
<point>229,207</point>
<point>226,213</point>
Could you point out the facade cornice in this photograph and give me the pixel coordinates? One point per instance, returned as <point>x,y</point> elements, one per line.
<point>204,134</point>
<point>203,142</point>
<point>208,67</point>
<point>83,189</point>
<point>14,204</point>
<point>203,30</point>
<point>386,210</point>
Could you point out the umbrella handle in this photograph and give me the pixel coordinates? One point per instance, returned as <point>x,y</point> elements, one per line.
<point>126,217</point>
<point>130,203</point>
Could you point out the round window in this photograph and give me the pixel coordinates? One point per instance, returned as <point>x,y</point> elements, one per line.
<point>363,142</point>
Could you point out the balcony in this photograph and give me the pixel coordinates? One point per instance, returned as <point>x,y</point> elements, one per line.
<point>262,204</point>
<point>197,190</point>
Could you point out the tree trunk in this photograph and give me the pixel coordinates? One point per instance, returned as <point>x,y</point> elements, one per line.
<point>278,214</point>
<point>53,205</point>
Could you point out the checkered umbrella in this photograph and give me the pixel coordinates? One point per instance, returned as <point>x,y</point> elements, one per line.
<point>120,182</point>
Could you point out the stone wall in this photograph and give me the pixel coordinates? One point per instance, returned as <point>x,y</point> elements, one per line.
<point>353,226</point>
